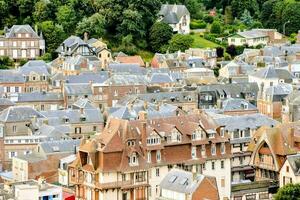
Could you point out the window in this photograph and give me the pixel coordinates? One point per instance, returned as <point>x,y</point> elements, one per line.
<point>222,132</point>
<point>133,159</point>
<point>16,89</point>
<point>158,156</point>
<point>241,160</point>
<point>32,43</point>
<point>157,172</point>
<point>213,165</point>
<point>77,130</point>
<point>223,182</point>
<point>140,176</point>
<point>222,164</point>
<point>287,169</point>
<point>42,107</point>
<point>222,148</point>
<point>14,44</point>
<point>94,128</point>
<point>1,131</point>
<point>115,93</point>
<point>203,150</point>
<point>12,154</point>
<point>1,43</point>
<point>123,177</point>
<point>194,152</point>
<point>14,129</point>
<point>27,152</point>
<point>213,149</point>
<point>149,157</point>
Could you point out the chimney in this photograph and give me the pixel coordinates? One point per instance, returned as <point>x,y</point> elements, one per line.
<point>291,136</point>
<point>142,115</point>
<point>143,118</point>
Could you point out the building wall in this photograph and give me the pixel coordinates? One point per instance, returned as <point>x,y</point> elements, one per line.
<point>287,173</point>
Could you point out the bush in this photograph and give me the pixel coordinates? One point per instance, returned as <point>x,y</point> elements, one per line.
<point>197,24</point>
<point>6,62</point>
<point>208,19</point>
<point>180,42</point>
<point>216,27</point>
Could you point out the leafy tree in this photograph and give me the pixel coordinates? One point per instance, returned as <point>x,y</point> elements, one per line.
<point>228,18</point>
<point>291,13</point>
<point>256,24</point>
<point>3,11</point>
<point>231,50</point>
<point>160,34</point>
<point>220,52</point>
<point>132,24</point>
<point>94,25</point>
<point>288,192</point>
<point>43,11</point>
<point>6,62</point>
<point>267,15</point>
<point>66,17</point>
<point>180,42</point>
<point>239,6</point>
<point>246,18</point>
<point>46,57</point>
<point>25,8</point>
<point>53,34</point>
<point>216,27</point>
<point>208,19</point>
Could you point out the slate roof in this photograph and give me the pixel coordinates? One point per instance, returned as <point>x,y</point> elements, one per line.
<point>280,89</point>
<point>294,161</point>
<point>173,13</point>
<point>252,34</point>
<point>83,103</point>
<point>37,66</point>
<point>78,88</point>
<point>157,78</point>
<point>181,181</point>
<point>39,97</point>
<point>233,104</point>
<point>19,113</point>
<point>11,33</point>
<point>242,122</point>
<point>11,76</point>
<point>6,102</point>
<point>126,79</point>
<point>87,77</point>
<point>60,146</point>
<point>271,72</point>
<point>57,117</point>
<point>72,43</point>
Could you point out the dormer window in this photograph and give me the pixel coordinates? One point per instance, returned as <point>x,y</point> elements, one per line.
<point>245,106</point>
<point>133,159</point>
<point>222,132</point>
<point>83,118</point>
<point>153,140</point>
<point>130,143</point>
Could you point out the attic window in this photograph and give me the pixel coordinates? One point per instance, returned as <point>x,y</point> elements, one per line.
<point>83,118</point>
<point>184,181</point>
<point>172,179</point>
<point>55,148</point>
<point>133,159</point>
<point>130,143</point>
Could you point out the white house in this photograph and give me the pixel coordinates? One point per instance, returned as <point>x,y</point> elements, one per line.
<point>177,16</point>
<point>251,38</point>
<point>290,171</point>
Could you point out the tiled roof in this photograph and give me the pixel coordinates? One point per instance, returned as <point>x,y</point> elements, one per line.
<point>131,60</point>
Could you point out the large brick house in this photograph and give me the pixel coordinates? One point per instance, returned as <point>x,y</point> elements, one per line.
<point>21,42</point>
<point>129,158</point>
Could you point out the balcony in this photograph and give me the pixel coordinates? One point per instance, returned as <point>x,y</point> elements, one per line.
<point>267,166</point>
<point>129,184</point>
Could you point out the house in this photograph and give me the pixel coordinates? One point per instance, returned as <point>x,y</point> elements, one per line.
<point>73,46</point>
<point>174,61</point>
<point>270,76</point>
<point>271,100</point>
<point>130,158</point>
<point>251,38</point>
<point>270,147</point>
<point>102,52</point>
<point>43,161</point>
<point>80,122</point>
<point>5,103</point>
<point>74,65</point>
<point>31,190</point>
<point>22,42</point>
<point>208,55</point>
<point>240,130</point>
<point>211,95</point>
<point>177,16</point>
<point>40,101</point>
<point>289,172</point>
<point>237,106</point>
<point>72,92</point>
<point>235,70</point>
<point>16,132</point>
<point>36,74</point>
<point>11,82</point>
<point>63,176</point>
<point>290,107</point>
<point>179,184</point>
<point>116,87</point>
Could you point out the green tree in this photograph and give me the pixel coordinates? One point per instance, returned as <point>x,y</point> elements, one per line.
<point>180,42</point>
<point>160,34</point>
<point>94,25</point>
<point>246,18</point>
<point>3,11</point>
<point>67,18</point>
<point>132,24</point>
<point>291,13</point>
<point>228,18</point>
<point>239,6</point>
<point>6,62</point>
<point>53,34</point>
<point>288,192</point>
<point>25,8</point>
<point>267,15</point>
<point>216,27</point>
<point>43,11</point>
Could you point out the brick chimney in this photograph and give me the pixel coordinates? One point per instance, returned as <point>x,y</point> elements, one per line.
<point>143,118</point>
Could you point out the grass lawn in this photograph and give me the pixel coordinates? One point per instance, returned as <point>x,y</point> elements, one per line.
<point>200,42</point>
